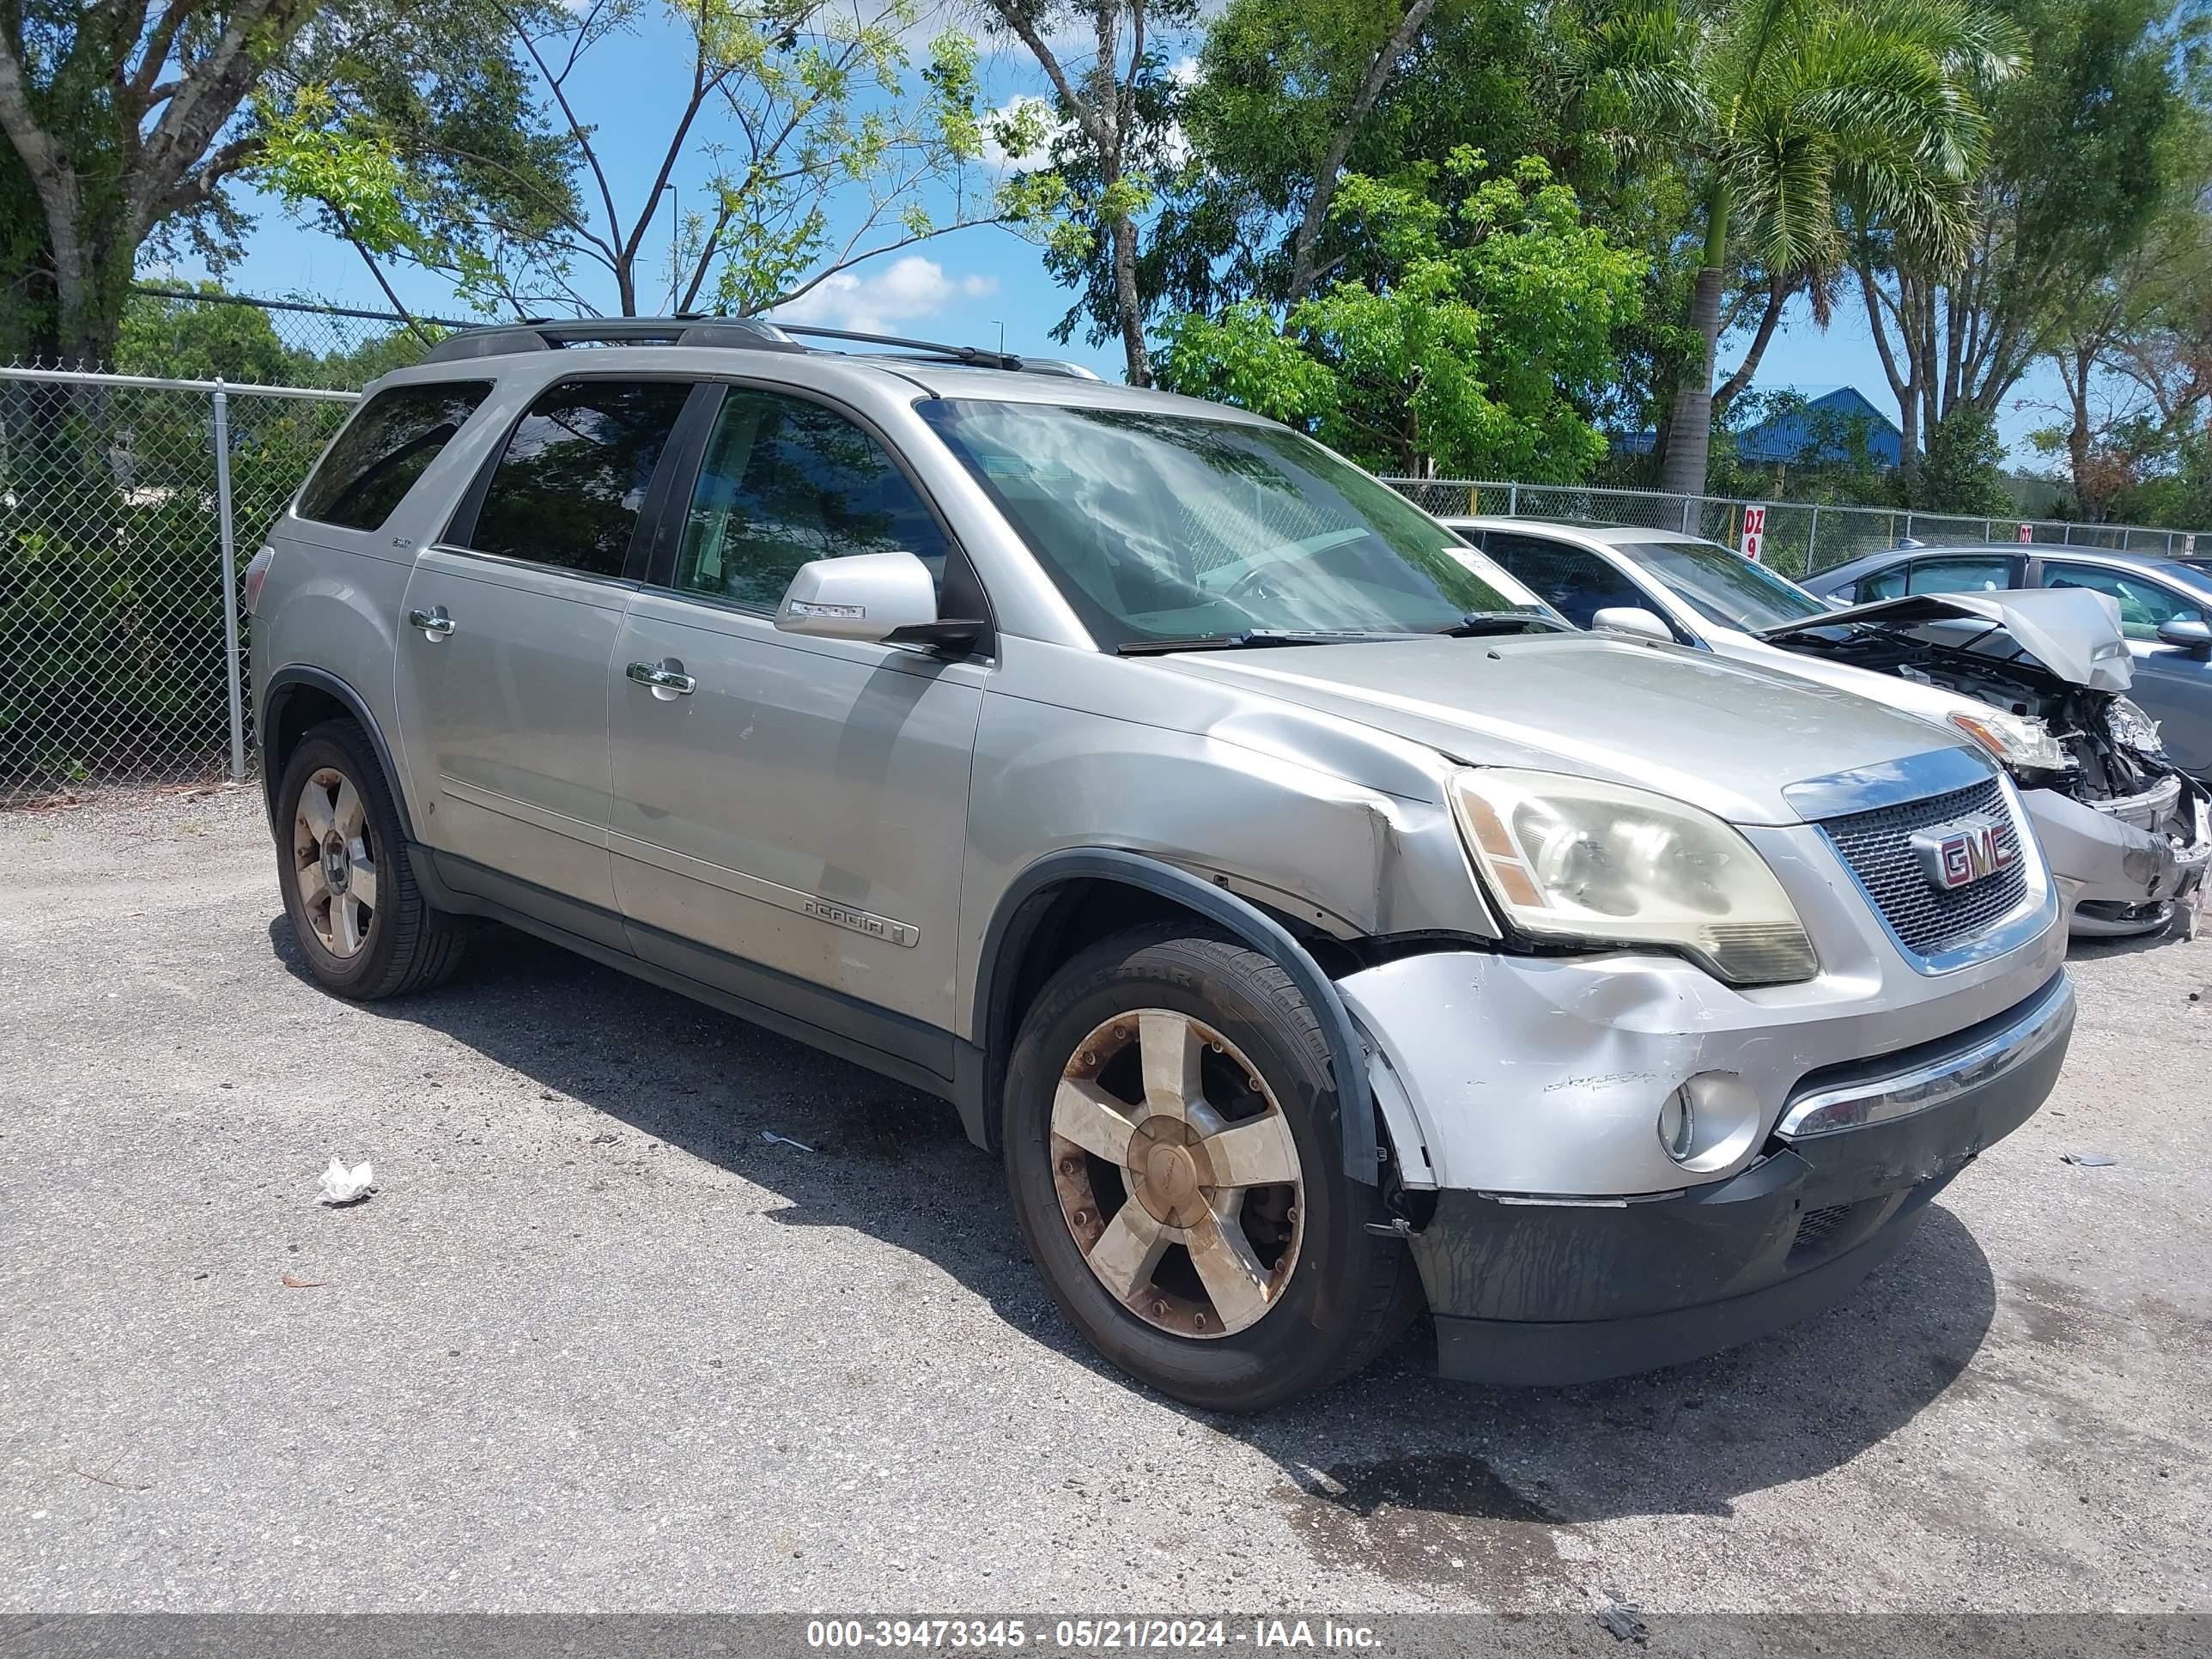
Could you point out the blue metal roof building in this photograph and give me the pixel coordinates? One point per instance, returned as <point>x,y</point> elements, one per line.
<point>1819,431</point>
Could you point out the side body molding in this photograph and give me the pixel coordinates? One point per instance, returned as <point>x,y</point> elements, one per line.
<point>1030,897</point>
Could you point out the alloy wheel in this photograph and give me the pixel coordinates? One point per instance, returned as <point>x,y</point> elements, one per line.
<point>335,861</point>
<point>1177,1173</point>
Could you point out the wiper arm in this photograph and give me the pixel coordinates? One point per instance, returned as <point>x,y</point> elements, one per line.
<point>1477,623</point>
<point>1251,639</point>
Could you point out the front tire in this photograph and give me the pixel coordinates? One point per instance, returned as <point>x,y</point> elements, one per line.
<point>362,924</point>
<point>1174,1147</point>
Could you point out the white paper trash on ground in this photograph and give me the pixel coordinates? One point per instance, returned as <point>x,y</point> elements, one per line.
<point>342,1186</point>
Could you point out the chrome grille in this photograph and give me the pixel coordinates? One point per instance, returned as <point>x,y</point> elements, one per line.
<point>1927,919</point>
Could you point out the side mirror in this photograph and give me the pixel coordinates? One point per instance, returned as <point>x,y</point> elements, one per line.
<point>865,596</point>
<point>1633,619</point>
<point>2194,637</point>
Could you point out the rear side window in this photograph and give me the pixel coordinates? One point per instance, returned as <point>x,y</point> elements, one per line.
<point>569,488</point>
<point>384,449</point>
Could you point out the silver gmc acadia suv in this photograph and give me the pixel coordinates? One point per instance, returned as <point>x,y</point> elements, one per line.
<point>1317,925</point>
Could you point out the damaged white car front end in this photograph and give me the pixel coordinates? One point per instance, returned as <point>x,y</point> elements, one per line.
<point>2128,833</point>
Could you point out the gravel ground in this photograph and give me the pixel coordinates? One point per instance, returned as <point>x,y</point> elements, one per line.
<point>598,1344</point>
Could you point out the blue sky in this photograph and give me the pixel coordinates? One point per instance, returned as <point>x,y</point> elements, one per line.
<point>963,286</point>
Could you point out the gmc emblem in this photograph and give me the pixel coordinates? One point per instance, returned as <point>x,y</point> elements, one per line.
<point>1955,854</point>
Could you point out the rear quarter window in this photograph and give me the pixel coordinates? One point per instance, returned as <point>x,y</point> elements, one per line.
<point>388,444</point>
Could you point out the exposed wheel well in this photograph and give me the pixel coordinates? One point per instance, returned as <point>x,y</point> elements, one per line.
<point>298,710</point>
<point>1073,915</point>
<point>1050,928</point>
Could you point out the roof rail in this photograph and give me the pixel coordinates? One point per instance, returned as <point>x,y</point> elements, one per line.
<point>748,333</point>
<point>959,354</point>
<point>544,334</point>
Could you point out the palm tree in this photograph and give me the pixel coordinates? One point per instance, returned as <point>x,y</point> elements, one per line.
<point>1783,111</point>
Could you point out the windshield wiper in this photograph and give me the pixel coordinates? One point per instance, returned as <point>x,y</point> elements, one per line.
<point>1477,623</point>
<point>1252,638</point>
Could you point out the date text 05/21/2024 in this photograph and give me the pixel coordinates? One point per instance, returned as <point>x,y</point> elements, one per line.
<point>1087,1634</point>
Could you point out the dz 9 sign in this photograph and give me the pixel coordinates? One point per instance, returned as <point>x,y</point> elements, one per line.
<point>1754,532</point>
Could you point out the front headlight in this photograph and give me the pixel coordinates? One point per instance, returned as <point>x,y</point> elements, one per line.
<point>1573,857</point>
<point>2133,728</point>
<point>2021,742</point>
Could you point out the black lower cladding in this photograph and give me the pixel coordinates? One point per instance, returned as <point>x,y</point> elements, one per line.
<point>1537,1294</point>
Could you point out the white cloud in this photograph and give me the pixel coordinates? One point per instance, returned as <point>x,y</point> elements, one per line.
<point>882,301</point>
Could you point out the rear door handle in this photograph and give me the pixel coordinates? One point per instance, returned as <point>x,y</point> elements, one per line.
<point>434,622</point>
<point>666,678</point>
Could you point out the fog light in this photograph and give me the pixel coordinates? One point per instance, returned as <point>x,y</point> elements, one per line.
<point>1677,1124</point>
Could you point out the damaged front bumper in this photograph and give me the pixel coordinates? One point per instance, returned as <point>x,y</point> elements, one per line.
<point>2122,865</point>
<point>1565,1244</point>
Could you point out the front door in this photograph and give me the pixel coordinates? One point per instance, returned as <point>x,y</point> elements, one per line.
<point>789,813</point>
<point>510,624</point>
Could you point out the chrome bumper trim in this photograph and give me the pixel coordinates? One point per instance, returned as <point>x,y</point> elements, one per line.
<point>1884,1099</point>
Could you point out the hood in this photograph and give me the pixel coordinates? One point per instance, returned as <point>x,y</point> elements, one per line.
<point>2070,632</point>
<point>1725,736</point>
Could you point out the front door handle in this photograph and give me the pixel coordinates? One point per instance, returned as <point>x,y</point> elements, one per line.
<point>666,677</point>
<point>434,622</point>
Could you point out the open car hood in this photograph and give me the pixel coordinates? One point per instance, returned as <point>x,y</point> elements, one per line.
<point>2070,632</point>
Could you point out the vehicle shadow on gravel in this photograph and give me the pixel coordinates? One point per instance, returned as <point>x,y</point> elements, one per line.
<point>1392,1470</point>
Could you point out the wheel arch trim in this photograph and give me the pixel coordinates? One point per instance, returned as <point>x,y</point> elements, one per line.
<point>1028,899</point>
<point>294,676</point>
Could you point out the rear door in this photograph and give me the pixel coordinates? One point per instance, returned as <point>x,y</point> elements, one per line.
<point>508,628</point>
<point>790,825</point>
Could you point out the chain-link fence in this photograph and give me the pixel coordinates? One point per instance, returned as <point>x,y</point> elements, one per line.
<point>129,503</point>
<point>127,506</point>
<point>203,334</point>
<point>1800,538</point>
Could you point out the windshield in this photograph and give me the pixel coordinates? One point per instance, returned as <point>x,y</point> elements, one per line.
<point>1166,527</point>
<point>1725,587</point>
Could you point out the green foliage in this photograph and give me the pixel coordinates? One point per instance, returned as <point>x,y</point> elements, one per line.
<point>1465,337</point>
<point>818,146</point>
<point>1963,470</point>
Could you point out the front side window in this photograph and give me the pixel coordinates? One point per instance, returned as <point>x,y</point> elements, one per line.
<point>1725,587</point>
<point>1969,576</point>
<point>1574,582</point>
<point>571,484</point>
<point>389,443</point>
<point>1882,585</point>
<point>2145,605</point>
<point>1160,527</point>
<point>785,481</point>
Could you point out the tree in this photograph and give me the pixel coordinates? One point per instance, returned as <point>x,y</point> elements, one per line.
<point>1964,469</point>
<point>1109,109</point>
<point>2079,166</point>
<point>1787,109</point>
<point>791,103</point>
<point>1463,336</point>
<point>111,110</point>
<point>1240,151</point>
<point>126,121</point>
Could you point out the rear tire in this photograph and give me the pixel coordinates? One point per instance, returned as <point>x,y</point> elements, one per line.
<point>1217,1251</point>
<point>362,924</point>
